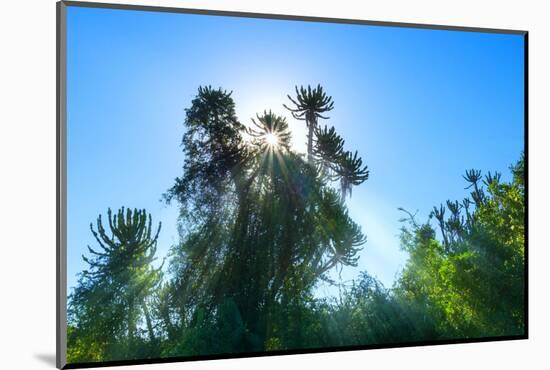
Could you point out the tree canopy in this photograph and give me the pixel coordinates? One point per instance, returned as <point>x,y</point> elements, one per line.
<point>261,226</point>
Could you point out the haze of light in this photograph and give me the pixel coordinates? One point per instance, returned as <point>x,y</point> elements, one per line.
<point>420,106</point>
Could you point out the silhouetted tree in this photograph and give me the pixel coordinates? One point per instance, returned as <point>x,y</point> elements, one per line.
<point>309,106</point>
<point>351,172</point>
<point>270,132</point>
<point>281,231</point>
<point>327,147</point>
<point>111,300</point>
<point>214,154</point>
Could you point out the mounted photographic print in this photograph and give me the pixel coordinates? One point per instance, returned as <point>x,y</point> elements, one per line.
<point>235,184</point>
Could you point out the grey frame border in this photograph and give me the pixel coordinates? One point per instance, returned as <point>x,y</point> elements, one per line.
<point>61,186</point>
<point>61,179</point>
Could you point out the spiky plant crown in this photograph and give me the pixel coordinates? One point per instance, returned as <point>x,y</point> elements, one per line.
<point>270,123</point>
<point>310,104</point>
<point>351,172</point>
<point>328,148</point>
<point>130,241</point>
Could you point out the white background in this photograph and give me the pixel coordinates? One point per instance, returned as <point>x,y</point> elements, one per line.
<point>27,182</point>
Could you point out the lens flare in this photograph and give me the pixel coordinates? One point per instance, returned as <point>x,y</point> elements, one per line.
<point>271,139</point>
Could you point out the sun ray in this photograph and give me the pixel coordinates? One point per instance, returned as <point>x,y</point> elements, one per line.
<point>272,139</point>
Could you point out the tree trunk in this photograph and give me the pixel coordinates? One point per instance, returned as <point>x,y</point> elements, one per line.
<point>311,127</point>
<point>131,326</point>
<point>148,321</point>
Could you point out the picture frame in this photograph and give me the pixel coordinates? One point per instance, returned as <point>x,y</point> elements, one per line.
<point>63,175</point>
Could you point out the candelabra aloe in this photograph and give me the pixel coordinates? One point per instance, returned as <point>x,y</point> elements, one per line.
<point>270,131</point>
<point>309,105</point>
<point>111,299</point>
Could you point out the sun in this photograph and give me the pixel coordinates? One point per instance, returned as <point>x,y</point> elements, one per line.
<point>271,139</point>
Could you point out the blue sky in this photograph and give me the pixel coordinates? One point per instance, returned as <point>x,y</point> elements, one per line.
<point>420,106</point>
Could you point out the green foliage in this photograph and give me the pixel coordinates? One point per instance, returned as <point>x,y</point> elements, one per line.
<point>261,227</point>
<point>214,154</point>
<point>283,231</point>
<point>472,282</point>
<point>368,313</point>
<point>108,311</point>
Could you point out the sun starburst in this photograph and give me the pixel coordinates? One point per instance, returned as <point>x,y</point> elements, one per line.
<point>271,139</point>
